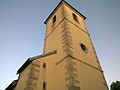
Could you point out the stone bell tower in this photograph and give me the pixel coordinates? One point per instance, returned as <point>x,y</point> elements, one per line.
<point>69,61</point>
<point>77,65</point>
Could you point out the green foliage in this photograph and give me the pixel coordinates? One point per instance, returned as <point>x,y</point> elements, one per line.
<point>115,85</point>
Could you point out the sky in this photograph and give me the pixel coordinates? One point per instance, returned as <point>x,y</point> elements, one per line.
<point>22,32</point>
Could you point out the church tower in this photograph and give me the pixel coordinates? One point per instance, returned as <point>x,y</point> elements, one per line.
<point>69,61</point>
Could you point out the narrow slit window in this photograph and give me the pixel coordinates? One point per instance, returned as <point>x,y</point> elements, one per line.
<point>54,19</point>
<point>75,17</point>
<point>44,65</point>
<point>44,85</point>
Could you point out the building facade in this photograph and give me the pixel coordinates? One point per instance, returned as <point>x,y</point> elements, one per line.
<point>69,61</point>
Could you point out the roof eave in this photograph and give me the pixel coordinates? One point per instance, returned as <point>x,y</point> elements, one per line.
<point>29,60</point>
<point>24,65</point>
<point>12,85</point>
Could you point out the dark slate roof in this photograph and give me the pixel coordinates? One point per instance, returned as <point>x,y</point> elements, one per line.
<point>29,60</point>
<point>58,6</point>
<point>12,85</point>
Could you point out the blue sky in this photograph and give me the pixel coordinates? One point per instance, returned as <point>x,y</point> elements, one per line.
<point>22,33</point>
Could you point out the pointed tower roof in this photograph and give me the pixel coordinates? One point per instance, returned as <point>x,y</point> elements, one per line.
<point>63,1</point>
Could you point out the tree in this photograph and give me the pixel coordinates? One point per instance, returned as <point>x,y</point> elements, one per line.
<point>115,85</point>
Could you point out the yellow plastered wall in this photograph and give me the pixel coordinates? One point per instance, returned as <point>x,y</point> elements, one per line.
<point>23,79</point>
<point>69,11</point>
<point>47,74</point>
<point>53,38</point>
<point>59,16</point>
<point>78,37</point>
<point>54,42</point>
<point>90,78</point>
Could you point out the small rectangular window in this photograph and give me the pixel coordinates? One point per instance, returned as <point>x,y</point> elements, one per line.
<point>75,17</point>
<point>44,85</point>
<point>44,65</point>
<point>54,19</point>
